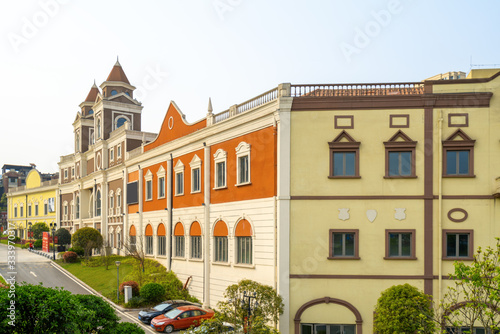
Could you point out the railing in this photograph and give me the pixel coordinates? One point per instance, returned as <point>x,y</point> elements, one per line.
<point>50,182</point>
<point>221,116</point>
<point>135,152</point>
<point>405,88</point>
<point>68,157</point>
<point>268,96</point>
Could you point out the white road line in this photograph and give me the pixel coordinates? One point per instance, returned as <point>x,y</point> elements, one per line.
<point>32,273</point>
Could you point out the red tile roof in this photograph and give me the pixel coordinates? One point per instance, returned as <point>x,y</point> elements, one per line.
<point>117,74</point>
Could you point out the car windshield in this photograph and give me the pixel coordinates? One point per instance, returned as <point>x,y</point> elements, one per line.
<point>161,307</point>
<point>172,314</point>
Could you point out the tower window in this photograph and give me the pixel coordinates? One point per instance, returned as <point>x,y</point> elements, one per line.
<point>113,92</point>
<point>120,121</point>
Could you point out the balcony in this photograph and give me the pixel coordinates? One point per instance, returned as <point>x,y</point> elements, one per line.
<point>334,90</point>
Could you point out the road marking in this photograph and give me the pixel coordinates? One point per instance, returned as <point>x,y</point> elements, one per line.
<point>32,273</point>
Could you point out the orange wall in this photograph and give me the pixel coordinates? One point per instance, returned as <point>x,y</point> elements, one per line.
<point>155,203</point>
<point>178,128</point>
<point>189,199</point>
<point>134,176</point>
<point>262,168</point>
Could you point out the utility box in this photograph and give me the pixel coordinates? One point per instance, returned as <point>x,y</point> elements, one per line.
<point>127,289</point>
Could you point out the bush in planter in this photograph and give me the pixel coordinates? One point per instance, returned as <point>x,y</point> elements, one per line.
<point>77,250</point>
<point>133,284</point>
<point>38,244</point>
<point>135,302</point>
<point>153,292</point>
<point>70,257</point>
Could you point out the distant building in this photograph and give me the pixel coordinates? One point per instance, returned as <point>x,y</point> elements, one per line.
<point>15,176</point>
<point>449,76</point>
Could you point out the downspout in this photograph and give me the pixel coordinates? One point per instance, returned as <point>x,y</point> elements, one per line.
<point>440,204</point>
<point>206,244</point>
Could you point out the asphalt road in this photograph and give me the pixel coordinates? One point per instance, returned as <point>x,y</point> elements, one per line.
<point>25,266</point>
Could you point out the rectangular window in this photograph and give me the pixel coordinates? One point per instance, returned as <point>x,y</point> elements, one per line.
<point>149,245</point>
<point>119,151</point>
<point>162,246</point>
<point>72,172</point>
<point>400,244</point>
<point>161,187</point>
<point>457,162</point>
<point>45,209</point>
<point>118,240</point>
<point>66,173</point>
<point>400,163</point>
<point>179,246</point>
<point>458,244</point>
<point>221,174</point>
<point>195,180</point>
<point>244,170</point>
<point>327,329</point>
<point>344,244</point>
<point>29,210</point>
<point>196,247</point>
<point>112,154</point>
<point>15,212</point>
<point>149,190</point>
<point>132,193</point>
<point>221,250</point>
<point>22,211</point>
<point>244,250</point>
<point>344,163</point>
<point>179,183</point>
<point>133,242</point>
<point>36,210</point>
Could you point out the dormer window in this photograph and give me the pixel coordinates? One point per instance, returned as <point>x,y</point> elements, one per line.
<point>113,92</point>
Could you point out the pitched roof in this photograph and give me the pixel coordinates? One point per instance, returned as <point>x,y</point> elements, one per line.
<point>92,94</point>
<point>117,74</point>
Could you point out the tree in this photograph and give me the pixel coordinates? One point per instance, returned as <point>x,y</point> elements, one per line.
<point>235,307</point>
<point>3,202</point>
<point>137,251</point>
<point>99,317</point>
<point>63,236</point>
<point>38,230</point>
<point>88,238</point>
<point>404,309</point>
<point>475,296</point>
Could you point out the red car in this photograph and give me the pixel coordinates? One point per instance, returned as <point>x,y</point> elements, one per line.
<point>181,318</point>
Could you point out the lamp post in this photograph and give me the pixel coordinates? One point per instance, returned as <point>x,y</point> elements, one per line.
<point>53,226</point>
<point>117,280</point>
<point>250,306</point>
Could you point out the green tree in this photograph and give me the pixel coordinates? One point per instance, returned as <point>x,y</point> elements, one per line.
<point>3,202</point>
<point>88,238</point>
<point>38,230</point>
<point>235,307</point>
<point>63,236</point>
<point>475,295</point>
<point>404,309</point>
<point>128,328</point>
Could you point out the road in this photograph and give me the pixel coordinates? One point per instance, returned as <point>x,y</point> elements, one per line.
<point>32,268</point>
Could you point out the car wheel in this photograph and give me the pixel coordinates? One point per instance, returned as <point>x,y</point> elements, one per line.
<point>169,329</point>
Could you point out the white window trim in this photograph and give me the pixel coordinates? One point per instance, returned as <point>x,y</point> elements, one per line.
<point>112,154</point>
<point>161,174</point>
<point>243,149</point>
<point>118,202</point>
<point>220,156</point>
<point>195,164</point>
<point>119,151</point>
<point>179,168</point>
<point>148,178</point>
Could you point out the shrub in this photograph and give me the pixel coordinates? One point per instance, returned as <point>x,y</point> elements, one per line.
<point>77,250</point>
<point>70,257</point>
<point>63,236</point>
<point>128,328</point>
<point>133,284</point>
<point>153,292</point>
<point>135,302</point>
<point>38,243</point>
<point>26,245</point>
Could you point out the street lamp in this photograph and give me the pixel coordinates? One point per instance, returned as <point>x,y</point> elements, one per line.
<point>250,306</point>
<point>53,225</point>
<point>117,280</point>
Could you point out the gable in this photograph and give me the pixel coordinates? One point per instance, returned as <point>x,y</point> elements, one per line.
<point>174,126</point>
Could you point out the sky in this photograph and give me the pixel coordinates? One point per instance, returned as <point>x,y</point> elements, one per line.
<point>51,51</point>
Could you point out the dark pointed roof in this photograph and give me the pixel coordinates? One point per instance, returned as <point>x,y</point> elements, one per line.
<point>92,94</point>
<point>117,74</point>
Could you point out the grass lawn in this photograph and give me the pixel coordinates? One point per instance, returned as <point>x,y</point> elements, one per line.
<point>3,281</point>
<point>6,242</point>
<point>99,278</point>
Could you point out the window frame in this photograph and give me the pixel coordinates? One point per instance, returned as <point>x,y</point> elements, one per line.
<point>180,244</point>
<point>339,146</point>
<point>412,246</point>
<point>407,145</point>
<point>470,256</point>
<point>195,164</point>
<point>149,249</point>
<point>220,157</point>
<point>179,178</point>
<point>111,154</point>
<point>221,249</point>
<point>148,188</point>
<point>196,249</point>
<point>331,256</point>
<point>466,144</point>
<point>243,150</point>
<point>162,245</point>
<point>248,250</point>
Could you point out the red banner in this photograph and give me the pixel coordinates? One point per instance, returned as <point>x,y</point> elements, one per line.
<point>45,242</point>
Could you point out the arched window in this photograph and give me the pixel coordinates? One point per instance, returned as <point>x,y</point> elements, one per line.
<point>91,112</point>
<point>77,207</point>
<point>149,239</point>
<point>120,121</point>
<point>113,92</point>
<point>132,235</point>
<point>244,245</point>
<point>98,203</point>
<point>220,242</point>
<point>77,142</point>
<point>111,237</point>
<point>162,240</point>
<point>179,240</point>
<point>195,235</point>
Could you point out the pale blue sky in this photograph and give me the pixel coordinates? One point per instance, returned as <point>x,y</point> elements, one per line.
<point>229,50</point>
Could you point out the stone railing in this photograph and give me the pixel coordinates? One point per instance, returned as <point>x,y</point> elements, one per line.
<point>327,90</point>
